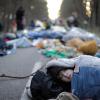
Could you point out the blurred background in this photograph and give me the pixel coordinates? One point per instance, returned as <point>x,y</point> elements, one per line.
<point>87,10</point>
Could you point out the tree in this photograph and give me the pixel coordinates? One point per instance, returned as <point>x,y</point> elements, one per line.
<point>69,6</point>
<point>96,11</point>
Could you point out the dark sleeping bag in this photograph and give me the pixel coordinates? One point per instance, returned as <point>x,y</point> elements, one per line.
<point>44,87</point>
<point>2,47</point>
<point>2,44</point>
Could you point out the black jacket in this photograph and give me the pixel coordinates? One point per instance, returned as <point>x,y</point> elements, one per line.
<point>46,86</point>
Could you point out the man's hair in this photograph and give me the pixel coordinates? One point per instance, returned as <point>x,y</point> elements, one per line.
<point>54,70</point>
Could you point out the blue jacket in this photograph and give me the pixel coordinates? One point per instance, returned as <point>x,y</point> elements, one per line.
<point>86,83</point>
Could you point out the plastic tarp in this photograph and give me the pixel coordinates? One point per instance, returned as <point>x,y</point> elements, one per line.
<point>22,33</point>
<point>25,32</point>
<point>47,43</point>
<point>21,42</point>
<point>10,36</point>
<point>78,33</point>
<point>83,60</point>
<point>61,62</point>
<point>62,54</point>
<point>45,34</point>
<point>59,28</point>
<point>88,61</point>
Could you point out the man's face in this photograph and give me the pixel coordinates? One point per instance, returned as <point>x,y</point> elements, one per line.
<point>66,75</point>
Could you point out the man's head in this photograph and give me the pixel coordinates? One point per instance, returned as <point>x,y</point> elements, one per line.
<point>66,75</point>
<point>61,73</point>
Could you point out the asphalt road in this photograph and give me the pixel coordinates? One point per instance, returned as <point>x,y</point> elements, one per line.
<point>19,64</point>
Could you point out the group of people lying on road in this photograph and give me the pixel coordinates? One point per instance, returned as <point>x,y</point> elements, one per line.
<point>68,79</point>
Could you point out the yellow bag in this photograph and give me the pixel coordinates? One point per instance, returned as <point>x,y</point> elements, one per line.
<point>40,45</point>
<point>89,47</point>
<point>76,42</point>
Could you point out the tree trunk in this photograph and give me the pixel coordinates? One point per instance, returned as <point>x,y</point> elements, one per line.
<point>97,12</point>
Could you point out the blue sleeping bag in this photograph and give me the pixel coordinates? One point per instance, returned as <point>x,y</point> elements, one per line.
<point>86,83</point>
